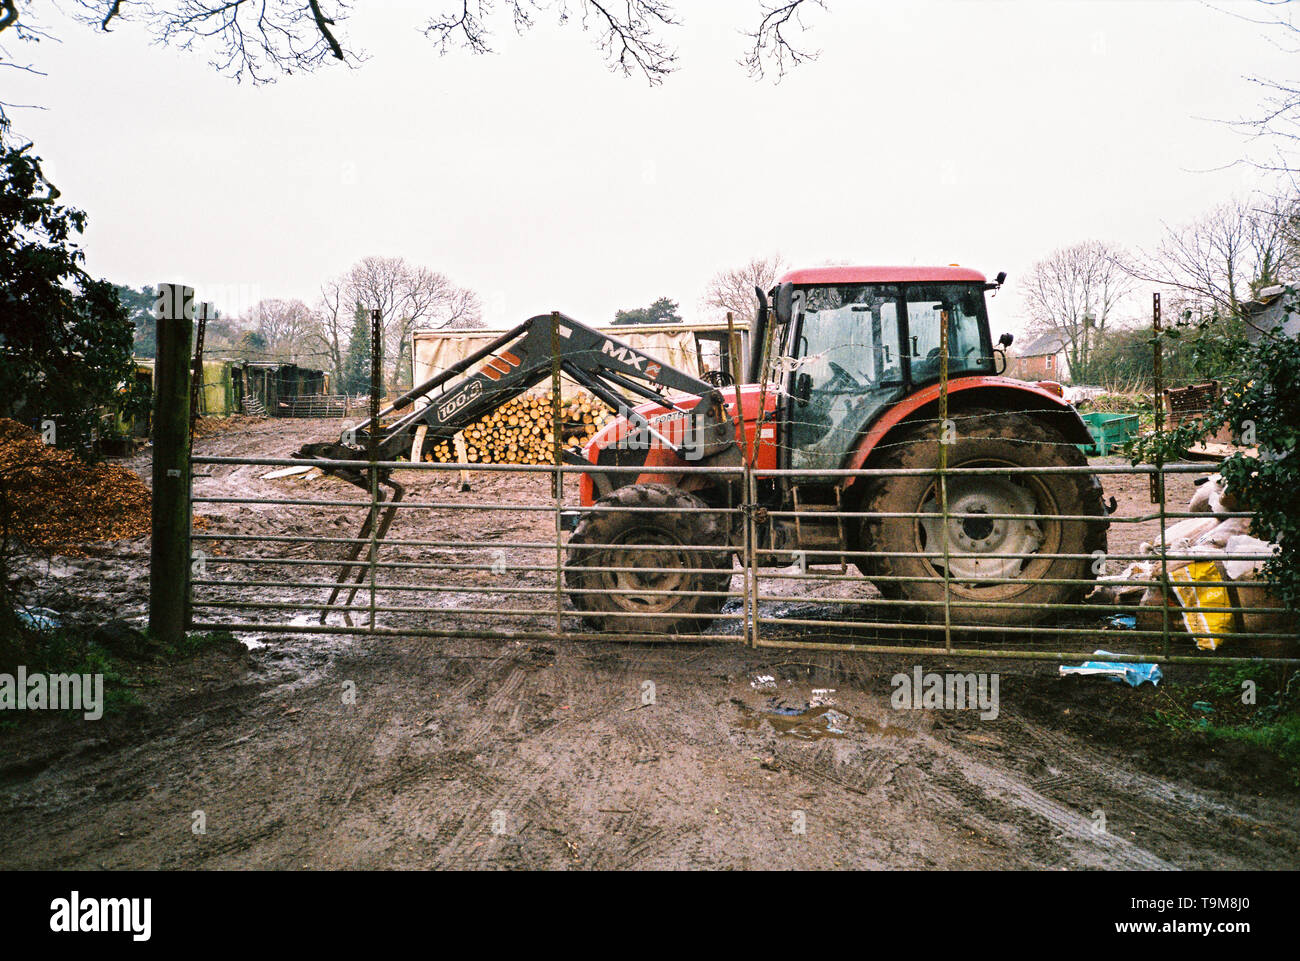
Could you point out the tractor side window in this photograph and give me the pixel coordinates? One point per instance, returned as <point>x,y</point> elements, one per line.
<point>847,367</point>
<point>960,307</point>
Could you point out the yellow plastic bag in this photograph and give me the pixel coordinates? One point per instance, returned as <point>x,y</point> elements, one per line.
<point>1201,624</point>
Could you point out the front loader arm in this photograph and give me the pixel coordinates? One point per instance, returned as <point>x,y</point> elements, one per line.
<point>519,360</point>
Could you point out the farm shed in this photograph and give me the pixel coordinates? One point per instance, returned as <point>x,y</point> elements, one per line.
<point>260,387</point>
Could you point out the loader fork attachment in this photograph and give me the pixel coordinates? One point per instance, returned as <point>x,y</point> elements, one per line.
<point>353,571</point>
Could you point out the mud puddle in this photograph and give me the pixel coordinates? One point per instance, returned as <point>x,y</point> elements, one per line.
<point>821,715</point>
<point>811,724</point>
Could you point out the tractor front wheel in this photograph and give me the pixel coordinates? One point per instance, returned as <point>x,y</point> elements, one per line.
<point>1003,562</point>
<point>659,565</point>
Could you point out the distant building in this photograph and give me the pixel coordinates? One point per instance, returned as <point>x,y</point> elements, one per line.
<point>1043,357</point>
<point>235,386</point>
<point>272,388</point>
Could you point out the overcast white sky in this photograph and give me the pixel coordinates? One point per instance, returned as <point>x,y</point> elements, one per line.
<point>962,131</point>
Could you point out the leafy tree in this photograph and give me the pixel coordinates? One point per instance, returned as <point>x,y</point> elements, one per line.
<point>402,370</point>
<point>1260,399</point>
<point>1123,360</point>
<point>355,377</point>
<point>662,311</point>
<point>66,338</point>
<point>251,345</point>
<point>139,307</point>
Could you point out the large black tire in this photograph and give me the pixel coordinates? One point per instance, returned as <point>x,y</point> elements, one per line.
<point>985,438</point>
<point>667,535</point>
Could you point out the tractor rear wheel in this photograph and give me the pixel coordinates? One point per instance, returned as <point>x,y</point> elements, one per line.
<point>1022,586</point>
<point>647,580</point>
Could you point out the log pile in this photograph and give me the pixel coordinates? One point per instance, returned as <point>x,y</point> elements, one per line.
<point>520,432</point>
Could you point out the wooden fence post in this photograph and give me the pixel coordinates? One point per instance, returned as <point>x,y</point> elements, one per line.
<point>169,558</point>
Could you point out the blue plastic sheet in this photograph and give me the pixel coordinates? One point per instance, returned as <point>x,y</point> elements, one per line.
<point>1132,673</point>
<point>39,618</point>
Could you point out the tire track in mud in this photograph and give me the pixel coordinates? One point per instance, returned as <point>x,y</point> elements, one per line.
<point>627,836</point>
<point>1148,805</point>
<point>498,701</point>
<point>1002,787</point>
<point>540,786</point>
<point>102,790</point>
<point>656,734</point>
<point>617,674</point>
<point>657,731</point>
<point>931,780</point>
<point>632,727</point>
<point>820,769</point>
<point>609,680</point>
<point>339,757</point>
<point>452,764</point>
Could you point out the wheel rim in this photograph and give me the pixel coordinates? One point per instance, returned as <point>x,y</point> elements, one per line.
<point>972,539</point>
<point>647,547</point>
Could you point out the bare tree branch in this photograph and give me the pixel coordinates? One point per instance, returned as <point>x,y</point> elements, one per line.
<point>733,290</point>
<point>1278,122</point>
<point>323,24</point>
<point>1073,293</point>
<point>1223,257</point>
<point>114,9</point>
<point>254,39</point>
<point>631,42</point>
<point>770,44</point>
<point>628,37</point>
<point>262,39</point>
<point>8,14</point>
<point>468,24</point>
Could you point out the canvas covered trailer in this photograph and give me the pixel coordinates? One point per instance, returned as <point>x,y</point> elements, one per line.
<point>697,349</point>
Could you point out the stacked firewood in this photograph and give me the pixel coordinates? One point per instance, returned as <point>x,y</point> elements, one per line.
<point>522,431</point>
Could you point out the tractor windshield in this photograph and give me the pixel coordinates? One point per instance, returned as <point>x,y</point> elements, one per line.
<point>854,348</point>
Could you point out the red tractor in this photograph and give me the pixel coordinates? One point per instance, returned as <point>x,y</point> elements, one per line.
<point>844,373</point>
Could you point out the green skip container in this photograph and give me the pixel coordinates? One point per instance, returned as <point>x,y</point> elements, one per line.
<point>1109,432</point>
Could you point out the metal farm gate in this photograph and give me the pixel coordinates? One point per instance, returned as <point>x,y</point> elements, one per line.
<point>304,554</point>
<point>492,563</point>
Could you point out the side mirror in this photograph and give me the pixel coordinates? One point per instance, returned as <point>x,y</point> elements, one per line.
<point>1006,340</point>
<point>803,389</point>
<point>784,302</point>
<point>1001,278</point>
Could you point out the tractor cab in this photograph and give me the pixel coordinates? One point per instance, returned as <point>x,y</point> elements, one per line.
<point>849,342</point>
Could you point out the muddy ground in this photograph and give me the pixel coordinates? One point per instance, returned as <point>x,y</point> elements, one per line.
<point>402,751</point>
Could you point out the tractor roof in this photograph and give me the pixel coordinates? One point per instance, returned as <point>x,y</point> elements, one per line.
<point>882,275</point>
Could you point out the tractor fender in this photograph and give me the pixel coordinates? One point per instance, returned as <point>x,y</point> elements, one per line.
<point>998,393</point>
<point>594,483</point>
